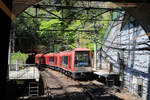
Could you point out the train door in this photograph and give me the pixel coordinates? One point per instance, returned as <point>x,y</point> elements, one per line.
<point>65,61</point>
<point>69,61</point>
<point>56,60</point>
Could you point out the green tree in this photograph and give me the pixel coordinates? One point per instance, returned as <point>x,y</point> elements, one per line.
<point>26,36</point>
<point>38,33</point>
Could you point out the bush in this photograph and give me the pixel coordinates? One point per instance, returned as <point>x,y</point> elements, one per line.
<point>19,57</point>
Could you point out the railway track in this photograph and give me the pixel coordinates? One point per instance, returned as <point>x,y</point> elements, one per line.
<point>50,78</point>
<point>60,86</point>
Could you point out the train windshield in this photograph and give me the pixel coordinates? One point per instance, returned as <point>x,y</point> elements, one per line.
<point>82,59</point>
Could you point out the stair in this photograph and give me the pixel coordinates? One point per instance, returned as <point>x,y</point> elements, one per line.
<point>33,89</point>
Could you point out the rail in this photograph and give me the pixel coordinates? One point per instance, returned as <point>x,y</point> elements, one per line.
<point>47,89</point>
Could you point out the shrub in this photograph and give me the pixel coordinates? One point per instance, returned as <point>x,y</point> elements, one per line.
<point>19,57</point>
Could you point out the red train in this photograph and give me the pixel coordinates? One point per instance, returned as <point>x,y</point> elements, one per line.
<point>76,63</point>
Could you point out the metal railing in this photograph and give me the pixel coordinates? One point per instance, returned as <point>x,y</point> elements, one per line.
<point>23,71</point>
<point>19,66</point>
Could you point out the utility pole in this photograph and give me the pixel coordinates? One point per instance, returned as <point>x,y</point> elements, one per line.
<point>122,68</point>
<point>9,52</point>
<point>13,42</point>
<point>95,47</point>
<point>77,40</point>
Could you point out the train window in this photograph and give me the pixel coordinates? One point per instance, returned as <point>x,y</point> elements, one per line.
<point>38,60</point>
<point>62,60</point>
<point>82,59</point>
<point>65,61</point>
<point>41,60</point>
<point>51,60</point>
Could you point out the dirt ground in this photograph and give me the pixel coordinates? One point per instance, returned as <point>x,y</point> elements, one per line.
<point>126,95</point>
<point>61,86</point>
<point>58,86</point>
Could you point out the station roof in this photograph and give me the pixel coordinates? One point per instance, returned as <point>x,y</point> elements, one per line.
<point>137,8</point>
<point>19,6</point>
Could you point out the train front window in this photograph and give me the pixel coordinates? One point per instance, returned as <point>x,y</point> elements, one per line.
<point>82,59</point>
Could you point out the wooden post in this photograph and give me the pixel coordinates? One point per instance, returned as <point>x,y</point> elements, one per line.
<point>7,10</point>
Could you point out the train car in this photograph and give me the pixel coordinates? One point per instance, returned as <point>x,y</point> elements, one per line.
<point>65,61</point>
<point>76,63</point>
<point>40,60</point>
<point>51,60</point>
<point>82,63</point>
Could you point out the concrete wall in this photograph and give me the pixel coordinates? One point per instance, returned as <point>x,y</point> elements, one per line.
<point>127,43</point>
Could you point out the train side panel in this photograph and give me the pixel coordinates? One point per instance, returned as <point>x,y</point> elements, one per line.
<point>64,60</point>
<point>46,59</point>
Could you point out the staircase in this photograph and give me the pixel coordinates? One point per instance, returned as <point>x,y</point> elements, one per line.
<point>33,89</point>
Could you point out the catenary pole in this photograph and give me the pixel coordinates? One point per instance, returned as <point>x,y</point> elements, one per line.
<point>95,47</point>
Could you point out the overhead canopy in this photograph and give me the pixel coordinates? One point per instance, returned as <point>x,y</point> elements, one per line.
<point>19,6</point>
<point>142,15</point>
<point>137,8</point>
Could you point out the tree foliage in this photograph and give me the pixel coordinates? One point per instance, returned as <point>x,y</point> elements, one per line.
<point>37,33</point>
<point>26,36</point>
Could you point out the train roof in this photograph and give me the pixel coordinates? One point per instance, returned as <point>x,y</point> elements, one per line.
<point>62,52</point>
<point>77,49</point>
<point>48,54</point>
<point>81,49</point>
<point>39,55</point>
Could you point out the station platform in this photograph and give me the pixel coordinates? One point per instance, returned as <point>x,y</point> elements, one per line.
<point>109,78</point>
<point>28,73</point>
<point>104,73</point>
